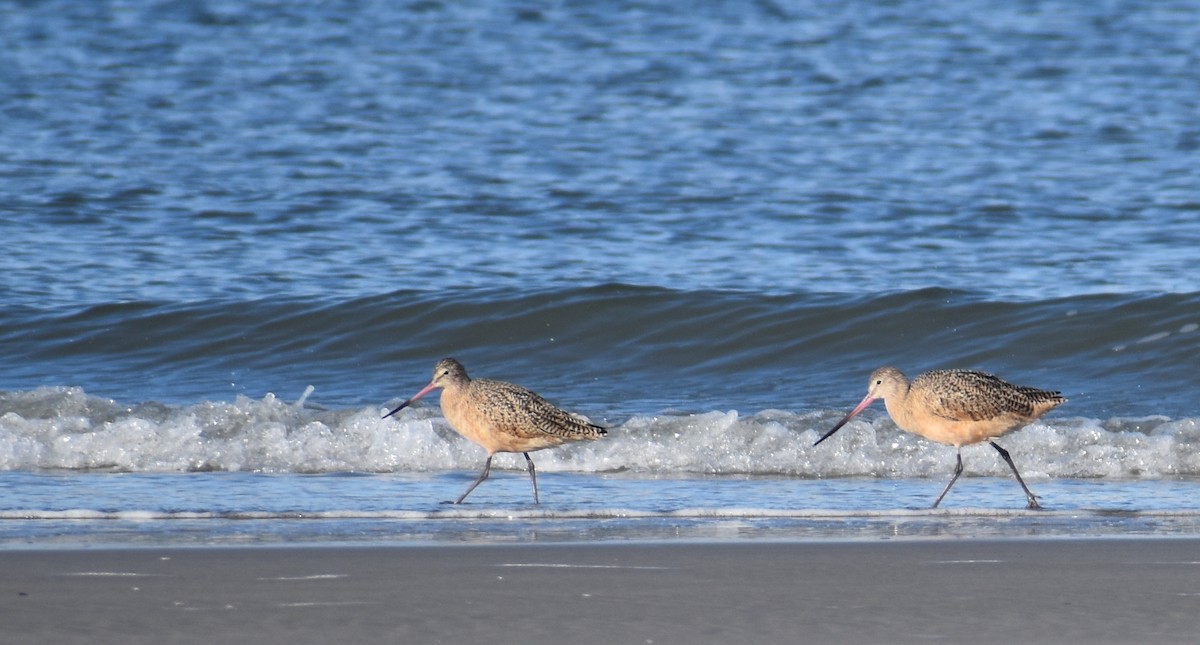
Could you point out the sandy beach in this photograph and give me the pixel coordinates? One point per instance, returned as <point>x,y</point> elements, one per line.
<point>1062,591</point>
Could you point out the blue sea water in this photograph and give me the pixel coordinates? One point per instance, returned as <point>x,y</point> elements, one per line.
<point>701,227</point>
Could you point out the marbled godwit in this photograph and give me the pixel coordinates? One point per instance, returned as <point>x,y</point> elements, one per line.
<point>956,407</point>
<point>501,417</point>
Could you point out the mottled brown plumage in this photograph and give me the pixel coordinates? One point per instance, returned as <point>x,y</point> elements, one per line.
<point>501,417</point>
<point>956,407</point>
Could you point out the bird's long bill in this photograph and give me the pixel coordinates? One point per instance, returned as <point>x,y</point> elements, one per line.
<point>867,400</point>
<point>425,390</point>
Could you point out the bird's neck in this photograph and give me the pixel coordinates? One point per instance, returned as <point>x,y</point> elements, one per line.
<point>898,409</point>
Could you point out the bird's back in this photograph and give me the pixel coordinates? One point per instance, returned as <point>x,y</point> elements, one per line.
<point>979,396</point>
<point>961,407</point>
<point>504,417</point>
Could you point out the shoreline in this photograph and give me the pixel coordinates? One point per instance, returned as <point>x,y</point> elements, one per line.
<point>1082,590</point>
<point>78,529</point>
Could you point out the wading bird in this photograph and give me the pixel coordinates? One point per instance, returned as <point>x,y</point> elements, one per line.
<point>501,417</point>
<point>956,407</point>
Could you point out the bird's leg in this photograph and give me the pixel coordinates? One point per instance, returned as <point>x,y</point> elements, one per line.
<point>532,477</point>
<point>1033,503</point>
<point>487,469</point>
<point>957,471</point>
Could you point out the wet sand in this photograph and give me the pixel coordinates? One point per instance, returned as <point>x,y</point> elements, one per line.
<point>1060,591</point>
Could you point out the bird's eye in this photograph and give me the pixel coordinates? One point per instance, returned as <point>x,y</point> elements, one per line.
<point>879,382</point>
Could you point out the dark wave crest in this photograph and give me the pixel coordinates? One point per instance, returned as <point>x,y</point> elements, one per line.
<point>615,349</point>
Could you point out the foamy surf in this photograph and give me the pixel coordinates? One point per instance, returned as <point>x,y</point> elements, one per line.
<point>66,429</point>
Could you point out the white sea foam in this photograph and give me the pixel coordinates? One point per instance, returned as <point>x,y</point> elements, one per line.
<point>64,428</point>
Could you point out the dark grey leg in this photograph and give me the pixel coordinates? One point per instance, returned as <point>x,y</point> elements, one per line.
<point>957,471</point>
<point>1033,503</point>
<point>532,477</point>
<point>487,469</point>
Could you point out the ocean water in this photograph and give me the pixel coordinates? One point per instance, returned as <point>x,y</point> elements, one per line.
<point>237,232</point>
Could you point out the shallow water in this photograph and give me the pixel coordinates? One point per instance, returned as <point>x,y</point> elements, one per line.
<point>702,228</point>
<point>72,509</point>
